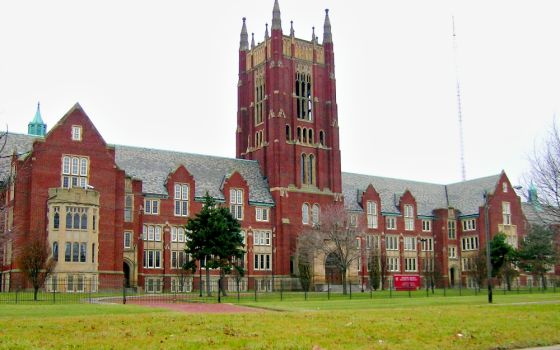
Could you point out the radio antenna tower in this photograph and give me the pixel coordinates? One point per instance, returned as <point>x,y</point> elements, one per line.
<point>461,141</point>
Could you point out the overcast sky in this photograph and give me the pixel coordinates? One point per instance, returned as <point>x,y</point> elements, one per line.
<point>163,74</point>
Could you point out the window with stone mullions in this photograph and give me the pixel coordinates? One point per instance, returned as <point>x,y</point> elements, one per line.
<point>371,214</point>
<point>261,238</point>
<point>506,212</point>
<point>181,200</point>
<point>259,99</point>
<point>304,99</point>
<point>74,171</point>
<point>236,203</point>
<point>408,217</point>
<point>410,243</point>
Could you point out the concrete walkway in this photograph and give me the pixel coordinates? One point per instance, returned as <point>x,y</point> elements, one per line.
<point>553,347</point>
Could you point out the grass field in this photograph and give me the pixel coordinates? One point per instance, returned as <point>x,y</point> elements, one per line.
<point>513,321</point>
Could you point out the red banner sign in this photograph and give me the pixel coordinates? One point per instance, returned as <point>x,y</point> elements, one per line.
<point>406,282</point>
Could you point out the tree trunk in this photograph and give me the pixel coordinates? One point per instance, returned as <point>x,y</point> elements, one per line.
<point>221,283</point>
<point>344,287</point>
<point>35,291</point>
<point>208,290</point>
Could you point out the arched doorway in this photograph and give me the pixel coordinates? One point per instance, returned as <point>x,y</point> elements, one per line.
<point>126,270</point>
<point>333,274</point>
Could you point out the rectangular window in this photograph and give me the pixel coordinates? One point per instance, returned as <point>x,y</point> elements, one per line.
<point>506,211</point>
<point>128,204</point>
<point>451,229</point>
<point>469,243</point>
<point>410,243</point>
<point>181,200</point>
<point>372,242</point>
<point>75,251</point>
<point>76,133</point>
<point>236,203</point>
<point>263,262</point>
<point>452,252</point>
<point>393,264</point>
<point>426,225</point>
<point>128,239</point>
<point>427,244</point>
<point>83,252</point>
<point>408,217</point>
<point>75,171</point>
<point>152,259</point>
<point>151,206</point>
<point>261,238</point>
<point>410,264</point>
<point>157,233</point>
<point>392,242</point>
<point>372,214</point>
<point>181,234</point>
<point>262,214</point>
<point>391,222</point>
<point>469,224</point>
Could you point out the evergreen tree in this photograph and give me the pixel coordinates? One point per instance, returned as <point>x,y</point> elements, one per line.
<point>537,254</point>
<point>214,239</point>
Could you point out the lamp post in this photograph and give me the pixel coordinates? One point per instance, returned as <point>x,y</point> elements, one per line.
<point>487,237</point>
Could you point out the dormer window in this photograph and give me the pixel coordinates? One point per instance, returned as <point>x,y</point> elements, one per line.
<point>408,217</point>
<point>76,133</point>
<point>236,203</point>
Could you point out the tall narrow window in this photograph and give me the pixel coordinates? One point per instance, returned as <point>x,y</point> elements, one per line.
<point>68,219</point>
<point>259,97</point>
<point>127,239</point>
<point>67,251</point>
<point>298,134</point>
<point>304,100</point>
<point>322,137</point>
<point>75,251</point>
<point>56,218</point>
<point>451,229</point>
<point>236,203</point>
<point>372,214</point>
<point>302,166</point>
<point>55,251</point>
<point>93,253</point>
<point>181,200</point>
<point>310,136</point>
<point>506,212</point>
<point>315,211</point>
<point>76,133</point>
<point>305,214</point>
<point>311,170</point>
<point>408,217</point>
<point>128,207</point>
<point>288,133</point>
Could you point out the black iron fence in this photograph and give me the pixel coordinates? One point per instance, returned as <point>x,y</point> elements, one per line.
<point>172,289</point>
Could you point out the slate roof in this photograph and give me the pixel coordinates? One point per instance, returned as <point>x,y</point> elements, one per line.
<point>465,196</point>
<point>153,166</point>
<point>537,215</point>
<point>18,143</point>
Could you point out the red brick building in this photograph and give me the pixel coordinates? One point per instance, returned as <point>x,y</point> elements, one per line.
<point>109,210</point>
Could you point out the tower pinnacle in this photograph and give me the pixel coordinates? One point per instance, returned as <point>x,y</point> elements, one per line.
<point>276,22</point>
<point>244,39</point>
<point>292,32</point>
<point>327,35</point>
<point>266,36</point>
<point>252,41</point>
<point>37,126</point>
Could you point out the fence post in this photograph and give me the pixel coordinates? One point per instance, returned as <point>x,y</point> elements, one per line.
<point>124,291</point>
<point>237,279</point>
<point>390,289</point>
<point>17,290</point>
<point>281,289</point>
<point>350,289</point>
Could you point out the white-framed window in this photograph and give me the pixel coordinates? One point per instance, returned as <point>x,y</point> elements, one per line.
<point>263,262</point>
<point>392,242</point>
<point>181,199</point>
<point>469,243</point>
<point>152,259</point>
<point>408,217</point>
<point>76,133</point>
<point>178,259</point>
<point>426,225</point>
<point>151,206</point>
<point>469,224</point>
<point>262,214</point>
<point>393,264</point>
<point>506,212</point>
<point>451,229</point>
<point>468,264</point>
<point>305,214</point>
<point>410,243</point>
<point>177,234</point>
<point>504,187</point>
<point>391,222</point>
<point>315,212</point>
<point>372,242</point>
<point>127,239</point>
<point>75,171</point>
<point>236,203</point>
<point>427,244</point>
<point>410,264</point>
<point>452,252</point>
<point>128,206</point>
<point>151,233</point>
<point>371,214</point>
<point>261,237</point>
<point>353,220</point>
<point>153,285</point>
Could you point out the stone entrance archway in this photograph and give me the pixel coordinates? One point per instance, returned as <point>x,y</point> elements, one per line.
<point>333,274</point>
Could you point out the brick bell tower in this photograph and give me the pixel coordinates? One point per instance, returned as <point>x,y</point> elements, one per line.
<point>287,120</point>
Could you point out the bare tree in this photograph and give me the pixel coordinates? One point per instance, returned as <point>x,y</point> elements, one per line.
<point>478,268</point>
<point>36,263</point>
<point>377,263</point>
<point>337,239</point>
<point>544,173</point>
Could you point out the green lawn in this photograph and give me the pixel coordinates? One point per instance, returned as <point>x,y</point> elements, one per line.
<point>400,323</point>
